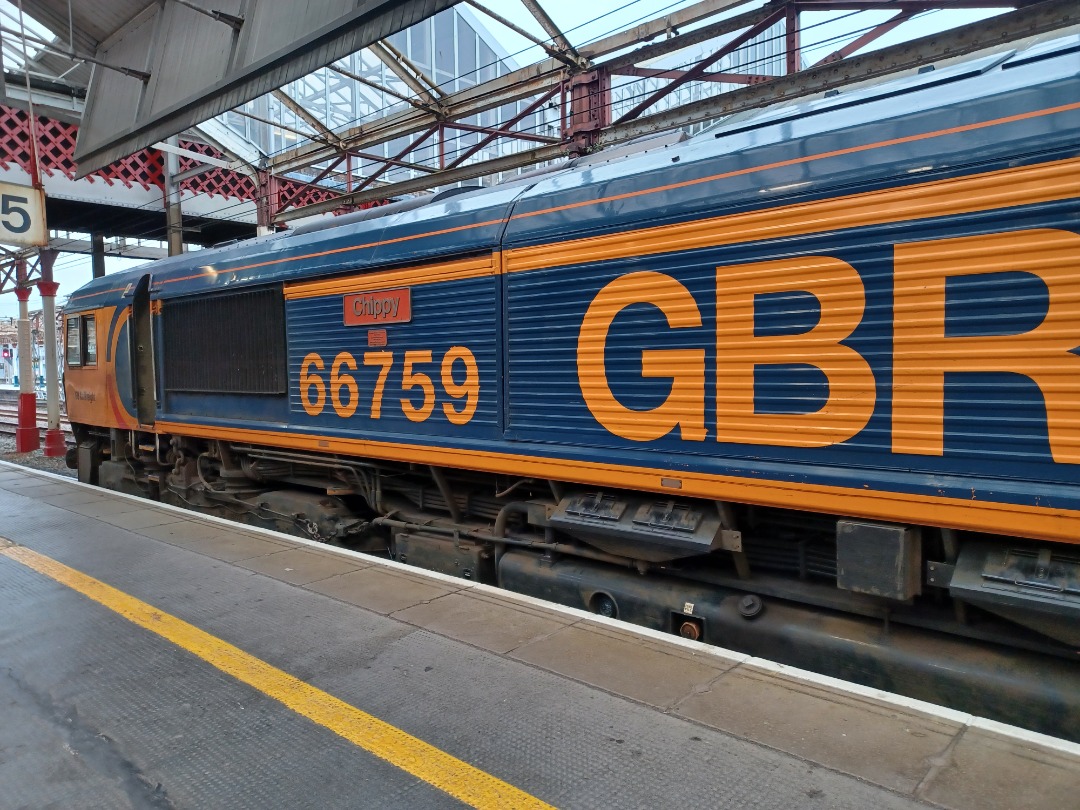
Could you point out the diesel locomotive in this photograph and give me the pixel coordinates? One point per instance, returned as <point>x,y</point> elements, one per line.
<point>806,384</point>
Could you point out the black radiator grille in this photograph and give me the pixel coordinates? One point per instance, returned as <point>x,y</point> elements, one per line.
<point>226,344</point>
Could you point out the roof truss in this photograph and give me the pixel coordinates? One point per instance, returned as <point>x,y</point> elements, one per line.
<point>570,74</point>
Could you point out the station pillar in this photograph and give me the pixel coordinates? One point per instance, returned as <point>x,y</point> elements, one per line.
<point>54,437</point>
<point>173,216</point>
<point>97,254</point>
<point>27,438</point>
<point>266,197</point>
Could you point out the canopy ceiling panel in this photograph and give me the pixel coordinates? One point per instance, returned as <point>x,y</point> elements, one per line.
<point>200,66</point>
<point>91,22</point>
<point>118,95</point>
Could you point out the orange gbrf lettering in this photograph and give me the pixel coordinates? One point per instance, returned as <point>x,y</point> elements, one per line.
<point>922,351</point>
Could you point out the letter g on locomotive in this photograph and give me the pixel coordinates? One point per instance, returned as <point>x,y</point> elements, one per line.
<point>684,405</point>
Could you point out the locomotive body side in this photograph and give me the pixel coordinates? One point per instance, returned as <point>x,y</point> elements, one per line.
<point>899,351</point>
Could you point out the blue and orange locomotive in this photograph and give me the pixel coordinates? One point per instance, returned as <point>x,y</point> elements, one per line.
<point>767,387</point>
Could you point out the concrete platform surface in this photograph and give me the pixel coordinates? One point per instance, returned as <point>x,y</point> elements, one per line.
<point>267,671</point>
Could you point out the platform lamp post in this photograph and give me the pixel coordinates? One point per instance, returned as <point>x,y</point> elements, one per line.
<point>54,437</point>
<point>27,438</point>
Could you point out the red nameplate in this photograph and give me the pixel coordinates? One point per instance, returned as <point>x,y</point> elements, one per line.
<point>385,306</point>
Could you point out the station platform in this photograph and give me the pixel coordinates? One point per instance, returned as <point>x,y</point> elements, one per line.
<point>154,658</point>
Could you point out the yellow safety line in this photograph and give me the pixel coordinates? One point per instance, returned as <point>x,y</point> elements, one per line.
<point>460,779</point>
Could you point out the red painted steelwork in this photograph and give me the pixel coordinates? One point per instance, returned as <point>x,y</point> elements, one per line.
<point>27,436</point>
<point>869,36</point>
<point>499,131</point>
<point>724,78</point>
<point>21,269</point>
<point>791,43</point>
<point>56,150</point>
<point>703,65</point>
<point>411,147</point>
<point>590,110</point>
<point>305,190</point>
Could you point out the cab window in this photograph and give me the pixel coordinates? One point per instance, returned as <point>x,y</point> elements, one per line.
<point>74,341</point>
<point>81,340</point>
<point>89,333</point>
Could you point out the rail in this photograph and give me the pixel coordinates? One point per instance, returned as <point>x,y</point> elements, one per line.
<point>9,420</point>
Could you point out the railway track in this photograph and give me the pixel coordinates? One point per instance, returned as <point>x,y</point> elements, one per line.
<point>9,420</point>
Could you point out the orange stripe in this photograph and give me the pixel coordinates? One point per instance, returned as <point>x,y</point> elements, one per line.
<point>410,276</point>
<point>335,250</point>
<point>1046,182</point>
<point>807,159</point>
<point>98,292</point>
<point>956,513</point>
<point>1010,119</point>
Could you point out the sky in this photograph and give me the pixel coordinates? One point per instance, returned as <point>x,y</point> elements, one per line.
<point>71,271</point>
<point>582,22</point>
<point>585,21</point>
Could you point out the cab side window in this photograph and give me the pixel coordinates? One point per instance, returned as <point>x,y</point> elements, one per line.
<point>89,333</point>
<point>73,343</point>
<point>81,340</point>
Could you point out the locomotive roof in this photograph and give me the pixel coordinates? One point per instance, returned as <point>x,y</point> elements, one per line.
<point>753,163</point>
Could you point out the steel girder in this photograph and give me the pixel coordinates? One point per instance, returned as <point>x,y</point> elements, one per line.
<point>523,83</point>
<point>552,76</point>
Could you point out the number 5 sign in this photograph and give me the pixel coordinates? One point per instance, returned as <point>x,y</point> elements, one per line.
<point>22,215</point>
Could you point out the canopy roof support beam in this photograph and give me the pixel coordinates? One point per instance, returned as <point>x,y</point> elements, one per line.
<point>300,112</point>
<point>574,61</point>
<point>541,83</point>
<point>405,70</point>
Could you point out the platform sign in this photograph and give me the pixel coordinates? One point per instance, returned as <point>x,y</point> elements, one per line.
<point>22,216</point>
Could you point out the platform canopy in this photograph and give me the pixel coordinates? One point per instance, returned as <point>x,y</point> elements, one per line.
<point>181,62</point>
<point>307,109</point>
